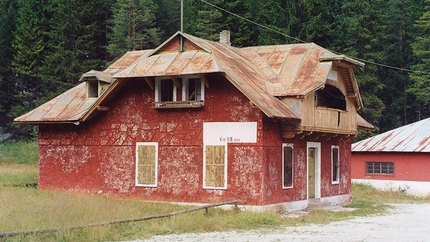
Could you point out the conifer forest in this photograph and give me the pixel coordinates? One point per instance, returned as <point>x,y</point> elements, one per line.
<point>46,45</point>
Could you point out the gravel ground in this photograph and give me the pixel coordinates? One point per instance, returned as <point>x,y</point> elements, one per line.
<point>405,222</point>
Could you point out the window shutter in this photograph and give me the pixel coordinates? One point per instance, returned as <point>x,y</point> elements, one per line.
<point>146,171</point>
<point>215,166</point>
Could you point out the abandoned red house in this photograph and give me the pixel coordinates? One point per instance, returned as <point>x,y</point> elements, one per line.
<point>395,160</point>
<point>197,121</point>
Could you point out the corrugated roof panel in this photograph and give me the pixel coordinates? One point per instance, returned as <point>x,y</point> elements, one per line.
<point>180,62</point>
<point>161,65</point>
<point>409,138</point>
<point>292,64</point>
<point>62,105</point>
<point>278,56</point>
<point>140,68</point>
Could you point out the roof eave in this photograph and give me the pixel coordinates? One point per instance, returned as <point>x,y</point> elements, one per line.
<point>342,58</point>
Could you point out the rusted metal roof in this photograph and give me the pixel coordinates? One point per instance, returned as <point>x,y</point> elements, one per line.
<point>263,74</point>
<point>413,137</point>
<point>72,106</point>
<point>67,107</point>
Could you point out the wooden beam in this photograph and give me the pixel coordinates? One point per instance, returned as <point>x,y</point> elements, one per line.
<point>102,108</point>
<point>149,82</point>
<point>205,81</point>
<point>175,80</point>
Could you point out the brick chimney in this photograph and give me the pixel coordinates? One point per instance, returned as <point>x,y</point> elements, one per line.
<point>224,37</point>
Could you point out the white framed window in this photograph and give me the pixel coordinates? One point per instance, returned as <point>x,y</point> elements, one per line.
<point>192,89</point>
<point>215,167</point>
<point>146,164</point>
<point>165,90</point>
<point>287,165</point>
<point>335,164</point>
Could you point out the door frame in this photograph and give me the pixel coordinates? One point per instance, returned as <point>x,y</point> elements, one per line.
<point>317,146</point>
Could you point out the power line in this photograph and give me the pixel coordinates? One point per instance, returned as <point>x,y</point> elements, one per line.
<point>302,41</point>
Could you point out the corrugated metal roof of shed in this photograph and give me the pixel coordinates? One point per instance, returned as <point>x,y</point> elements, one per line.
<point>413,137</point>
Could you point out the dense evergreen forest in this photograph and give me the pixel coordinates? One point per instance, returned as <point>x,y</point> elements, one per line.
<point>46,45</point>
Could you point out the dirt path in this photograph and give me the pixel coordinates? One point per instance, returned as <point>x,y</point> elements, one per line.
<point>405,222</point>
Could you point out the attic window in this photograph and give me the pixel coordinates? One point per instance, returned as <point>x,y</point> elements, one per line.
<point>190,94</point>
<point>330,97</point>
<point>93,89</point>
<point>97,82</point>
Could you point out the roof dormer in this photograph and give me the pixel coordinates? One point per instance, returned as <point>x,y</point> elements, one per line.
<point>97,82</point>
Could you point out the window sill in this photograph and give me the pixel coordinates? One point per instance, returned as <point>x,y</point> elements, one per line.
<point>179,104</point>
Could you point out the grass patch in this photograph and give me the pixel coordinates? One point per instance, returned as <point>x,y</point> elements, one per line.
<point>19,152</point>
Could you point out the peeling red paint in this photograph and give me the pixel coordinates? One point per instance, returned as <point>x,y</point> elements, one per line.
<point>98,156</point>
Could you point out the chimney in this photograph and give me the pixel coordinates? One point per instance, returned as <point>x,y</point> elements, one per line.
<point>224,37</point>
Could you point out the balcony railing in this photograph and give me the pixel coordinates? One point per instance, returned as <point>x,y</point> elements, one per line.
<point>179,104</point>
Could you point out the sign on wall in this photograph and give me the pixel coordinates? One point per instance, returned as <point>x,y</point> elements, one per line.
<point>229,132</point>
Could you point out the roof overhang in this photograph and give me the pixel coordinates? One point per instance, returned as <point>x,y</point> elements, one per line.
<point>99,75</point>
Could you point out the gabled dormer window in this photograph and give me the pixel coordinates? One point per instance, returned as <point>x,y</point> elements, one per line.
<point>180,92</point>
<point>96,83</point>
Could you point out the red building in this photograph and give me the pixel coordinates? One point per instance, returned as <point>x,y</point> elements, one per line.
<point>395,160</point>
<point>197,121</point>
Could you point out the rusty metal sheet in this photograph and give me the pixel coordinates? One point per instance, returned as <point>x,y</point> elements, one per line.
<point>128,58</point>
<point>277,58</point>
<point>292,64</point>
<point>260,73</point>
<point>59,109</point>
<point>413,137</point>
<point>140,68</point>
<point>179,63</point>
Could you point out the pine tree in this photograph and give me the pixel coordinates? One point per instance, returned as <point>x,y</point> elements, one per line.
<point>168,17</point>
<point>133,27</point>
<point>28,44</point>
<point>8,12</point>
<point>76,43</point>
<point>242,32</point>
<point>361,28</point>
<point>421,48</point>
<point>209,21</point>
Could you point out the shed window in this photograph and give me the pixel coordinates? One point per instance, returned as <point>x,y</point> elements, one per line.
<point>215,166</point>
<point>146,164</point>
<point>330,97</point>
<point>335,164</point>
<point>287,165</point>
<point>379,168</point>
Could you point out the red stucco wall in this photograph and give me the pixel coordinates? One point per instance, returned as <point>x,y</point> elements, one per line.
<point>98,156</point>
<point>407,166</point>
